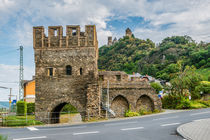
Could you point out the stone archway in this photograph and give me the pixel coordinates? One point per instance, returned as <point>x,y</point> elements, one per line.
<point>119,105</point>
<point>56,117</point>
<point>55,113</point>
<point>144,103</point>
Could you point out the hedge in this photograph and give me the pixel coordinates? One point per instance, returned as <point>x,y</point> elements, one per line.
<point>21,108</point>
<point>30,108</point>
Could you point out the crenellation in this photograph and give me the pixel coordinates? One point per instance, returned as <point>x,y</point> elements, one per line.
<point>74,38</point>
<point>38,36</point>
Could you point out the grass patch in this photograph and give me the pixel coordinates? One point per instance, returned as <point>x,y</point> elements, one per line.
<point>20,121</point>
<point>130,113</point>
<point>144,112</point>
<point>196,104</point>
<point>93,119</point>
<point>3,137</point>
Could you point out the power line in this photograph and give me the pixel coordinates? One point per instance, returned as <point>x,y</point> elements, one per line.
<point>8,82</point>
<point>8,51</point>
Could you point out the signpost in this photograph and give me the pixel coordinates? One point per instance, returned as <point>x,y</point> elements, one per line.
<point>10,96</point>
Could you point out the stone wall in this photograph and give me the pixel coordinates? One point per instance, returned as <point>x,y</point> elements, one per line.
<point>139,94</point>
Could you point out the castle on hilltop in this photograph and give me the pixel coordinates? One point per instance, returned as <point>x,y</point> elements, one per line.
<point>128,33</point>
<point>67,73</point>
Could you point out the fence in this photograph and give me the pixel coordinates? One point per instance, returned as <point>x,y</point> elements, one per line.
<point>12,119</point>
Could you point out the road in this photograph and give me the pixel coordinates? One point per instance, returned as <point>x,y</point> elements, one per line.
<point>155,127</point>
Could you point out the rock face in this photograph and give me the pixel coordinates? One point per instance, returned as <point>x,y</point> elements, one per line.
<point>67,72</point>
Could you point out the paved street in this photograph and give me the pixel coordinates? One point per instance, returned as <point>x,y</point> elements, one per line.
<point>155,127</point>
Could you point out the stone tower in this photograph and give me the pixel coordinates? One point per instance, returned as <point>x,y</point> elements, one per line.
<point>109,41</point>
<point>128,32</point>
<point>66,70</point>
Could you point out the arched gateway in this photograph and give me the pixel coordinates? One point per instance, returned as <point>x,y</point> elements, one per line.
<point>67,72</point>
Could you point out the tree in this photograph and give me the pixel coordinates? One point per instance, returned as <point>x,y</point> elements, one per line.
<point>156,86</point>
<point>204,87</point>
<point>186,80</point>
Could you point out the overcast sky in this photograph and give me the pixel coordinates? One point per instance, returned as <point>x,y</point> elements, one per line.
<point>154,19</point>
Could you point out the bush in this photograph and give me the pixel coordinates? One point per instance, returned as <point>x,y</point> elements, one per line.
<point>156,111</point>
<point>197,104</point>
<point>206,103</point>
<point>170,101</point>
<point>144,112</point>
<point>131,114</point>
<point>21,108</point>
<point>184,104</point>
<point>156,86</point>
<point>30,108</point>
<point>176,102</point>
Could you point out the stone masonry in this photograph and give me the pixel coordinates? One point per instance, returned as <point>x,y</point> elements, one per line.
<point>67,72</point>
<point>125,92</point>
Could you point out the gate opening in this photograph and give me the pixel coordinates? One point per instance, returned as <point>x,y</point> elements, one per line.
<point>65,113</point>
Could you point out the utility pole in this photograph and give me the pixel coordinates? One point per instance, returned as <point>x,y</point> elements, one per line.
<point>21,74</point>
<point>10,96</point>
<point>107,99</point>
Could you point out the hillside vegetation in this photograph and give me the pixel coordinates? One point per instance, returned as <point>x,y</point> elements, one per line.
<point>131,54</point>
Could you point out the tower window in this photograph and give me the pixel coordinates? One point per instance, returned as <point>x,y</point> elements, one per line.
<point>80,71</point>
<point>55,33</point>
<point>74,32</point>
<point>101,77</point>
<point>50,71</point>
<point>68,70</point>
<point>118,77</point>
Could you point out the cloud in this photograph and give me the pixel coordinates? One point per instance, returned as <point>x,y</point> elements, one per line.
<point>9,77</point>
<point>188,16</point>
<point>27,14</point>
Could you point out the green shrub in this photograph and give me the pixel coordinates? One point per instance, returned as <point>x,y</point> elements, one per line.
<point>131,114</point>
<point>197,104</point>
<point>144,112</point>
<point>170,101</point>
<point>156,86</point>
<point>156,111</point>
<point>184,104</point>
<point>30,108</point>
<point>195,95</point>
<point>206,103</point>
<point>21,108</point>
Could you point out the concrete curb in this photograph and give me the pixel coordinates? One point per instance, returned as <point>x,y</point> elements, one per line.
<point>180,131</point>
<point>196,130</point>
<point>165,111</point>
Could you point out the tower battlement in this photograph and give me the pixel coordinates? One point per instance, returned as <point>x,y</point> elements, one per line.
<point>73,38</point>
